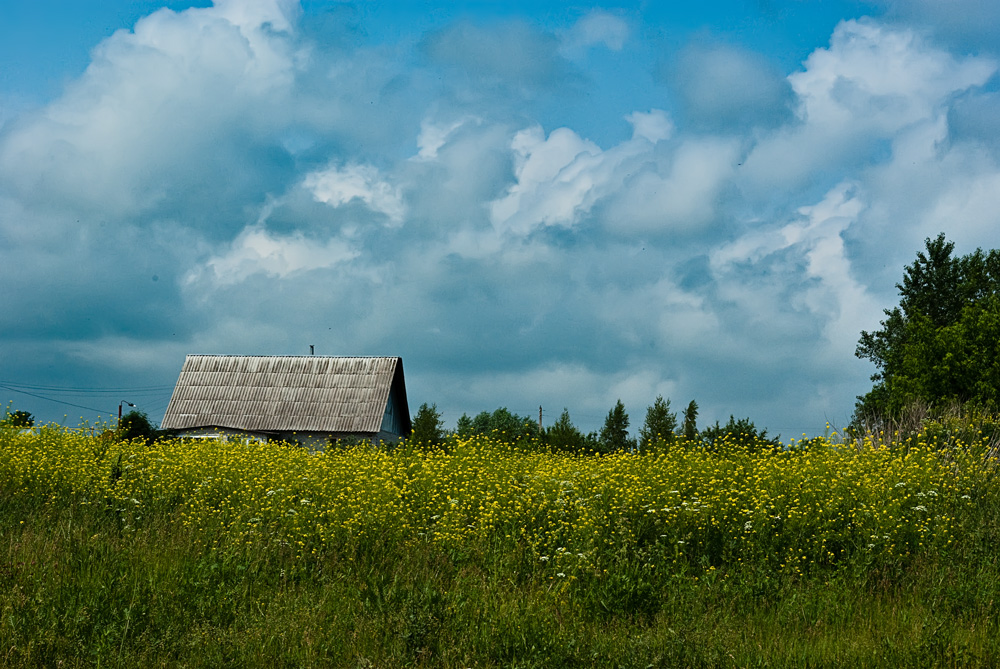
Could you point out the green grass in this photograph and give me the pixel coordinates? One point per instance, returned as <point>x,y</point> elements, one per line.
<point>86,585</point>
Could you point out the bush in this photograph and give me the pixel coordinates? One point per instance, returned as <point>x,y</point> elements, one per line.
<point>741,434</point>
<point>135,425</point>
<point>19,419</point>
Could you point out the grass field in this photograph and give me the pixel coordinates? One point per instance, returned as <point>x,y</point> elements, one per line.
<point>485,554</point>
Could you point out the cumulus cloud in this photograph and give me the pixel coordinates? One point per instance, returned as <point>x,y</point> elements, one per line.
<point>813,245</point>
<point>221,180</point>
<point>870,84</point>
<point>175,86</point>
<point>338,186</point>
<point>561,178</point>
<point>257,251</point>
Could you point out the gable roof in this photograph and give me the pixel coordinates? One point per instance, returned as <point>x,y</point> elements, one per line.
<point>287,393</point>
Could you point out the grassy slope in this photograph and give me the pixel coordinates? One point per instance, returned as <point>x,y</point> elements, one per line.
<point>79,588</point>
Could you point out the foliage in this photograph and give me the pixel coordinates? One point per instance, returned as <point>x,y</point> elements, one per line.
<point>742,434</point>
<point>690,426</point>
<point>463,427</point>
<point>660,424</point>
<point>427,426</point>
<point>614,435</point>
<point>942,343</point>
<point>501,423</point>
<point>18,419</point>
<point>563,436</point>
<point>135,425</point>
<point>209,553</point>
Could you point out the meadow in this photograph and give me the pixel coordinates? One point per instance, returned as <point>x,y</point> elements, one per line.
<point>827,552</point>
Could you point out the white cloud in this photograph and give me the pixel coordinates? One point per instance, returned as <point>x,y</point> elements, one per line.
<point>653,126</point>
<point>554,180</point>
<point>681,193</point>
<point>258,251</point>
<point>252,14</point>
<point>434,135</point>
<point>869,84</point>
<point>881,78</point>
<point>810,252</point>
<point>122,137</point>
<point>339,186</point>
<point>650,263</point>
<point>597,27</point>
<point>562,177</point>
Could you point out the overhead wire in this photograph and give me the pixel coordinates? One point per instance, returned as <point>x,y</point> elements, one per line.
<point>69,404</point>
<point>44,392</point>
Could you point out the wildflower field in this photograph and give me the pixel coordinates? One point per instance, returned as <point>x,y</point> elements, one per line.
<point>483,553</point>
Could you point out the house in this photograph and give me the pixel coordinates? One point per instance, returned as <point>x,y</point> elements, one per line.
<point>304,399</point>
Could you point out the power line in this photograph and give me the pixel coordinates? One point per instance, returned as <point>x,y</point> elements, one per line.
<point>70,390</point>
<point>69,404</point>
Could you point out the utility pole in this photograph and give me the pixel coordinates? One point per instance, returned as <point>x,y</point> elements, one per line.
<point>539,420</point>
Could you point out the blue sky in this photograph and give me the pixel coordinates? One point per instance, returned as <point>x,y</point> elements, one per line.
<point>533,203</point>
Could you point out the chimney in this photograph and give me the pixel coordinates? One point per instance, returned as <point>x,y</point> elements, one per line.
<point>312,350</point>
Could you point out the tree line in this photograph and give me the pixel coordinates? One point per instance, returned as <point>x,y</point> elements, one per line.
<point>661,427</point>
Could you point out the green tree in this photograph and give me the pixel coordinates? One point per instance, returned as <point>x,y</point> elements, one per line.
<point>940,345</point>
<point>564,436</point>
<point>659,425</point>
<point>135,425</point>
<point>505,424</point>
<point>614,435</point>
<point>427,428</point>
<point>463,427</point>
<point>737,433</point>
<point>690,427</point>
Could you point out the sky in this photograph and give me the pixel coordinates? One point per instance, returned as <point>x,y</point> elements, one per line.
<point>532,203</point>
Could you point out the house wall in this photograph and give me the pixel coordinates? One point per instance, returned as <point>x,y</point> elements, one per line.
<point>314,441</point>
<point>222,434</point>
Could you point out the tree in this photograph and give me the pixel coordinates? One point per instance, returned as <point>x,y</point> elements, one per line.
<point>564,436</point>
<point>614,434</point>
<point>504,424</point>
<point>463,427</point>
<point>19,419</point>
<point>940,345</point>
<point>737,433</point>
<point>660,424</point>
<point>427,428</point>
<point>135,425</point>
<point>690,428</point>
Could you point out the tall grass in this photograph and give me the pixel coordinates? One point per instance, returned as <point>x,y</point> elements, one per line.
<point>485,554</point>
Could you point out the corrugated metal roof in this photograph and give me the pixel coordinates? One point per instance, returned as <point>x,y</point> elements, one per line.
<point>282,393</point>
